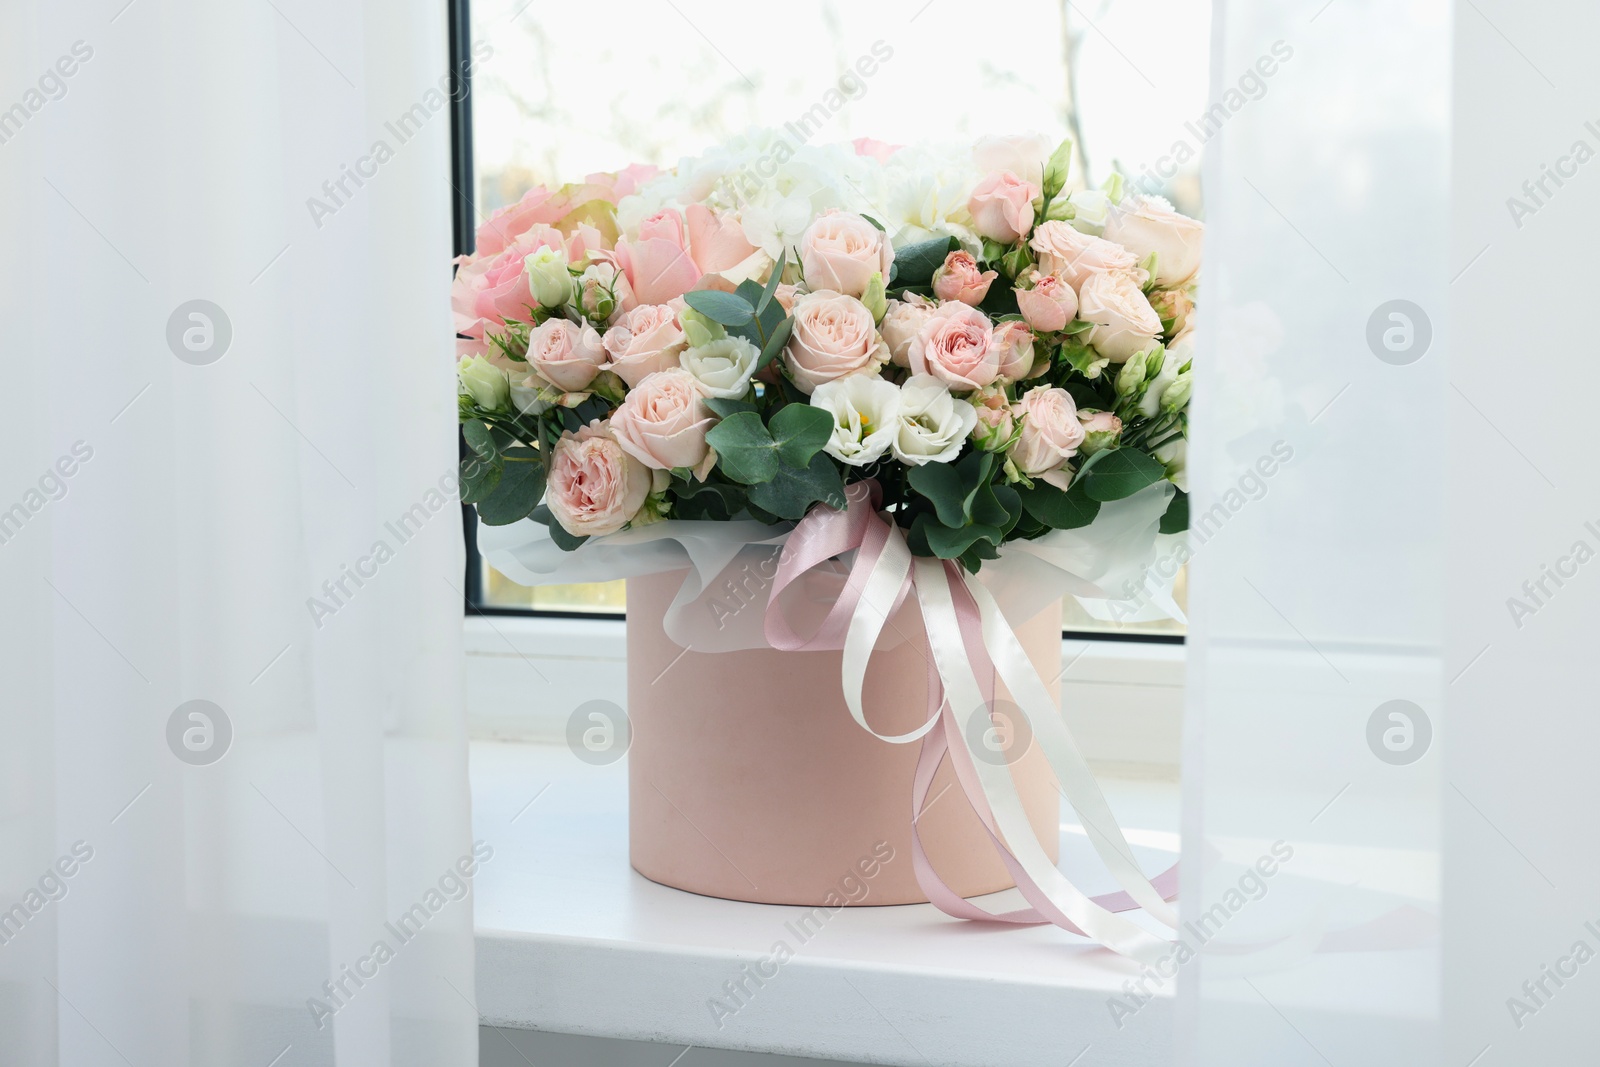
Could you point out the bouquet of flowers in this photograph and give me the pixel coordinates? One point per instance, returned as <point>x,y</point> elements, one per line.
<point>745,336</point>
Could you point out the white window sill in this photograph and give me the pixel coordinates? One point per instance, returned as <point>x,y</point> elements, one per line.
<point>571,940</point>
<point>1123,700</point>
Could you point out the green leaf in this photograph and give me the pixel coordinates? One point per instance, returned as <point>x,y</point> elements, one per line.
<point>479,438</point>
<point>1058,510</point>
<point>726,308</point>
<point>558,533</point>
<point>799,432</point>
<point>1176,518</point>
<point>717,501</point>
<point>478,479</point>
<point>791,493</point>
<point>774,280</point>
<point>745,450</point>
<point>518,490</point>
<point>723,406</point>
<point>951,487</point>
<point>875,223</point>
<point>915,264</point>
<point>1077,326</point>
<point>947,543</point>
<point>1121,473</point>
<point>775,342</point>
<point>1083,359</point>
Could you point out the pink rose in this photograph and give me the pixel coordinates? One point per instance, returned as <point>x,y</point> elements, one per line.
<point>1100,428</point>
<point>1013,344</point>
<point>834,336</point>
<point>1147,225</point>
<point>902,322</point>
<point>958,278</point>
<point>878,150</point>
<point>1021,154</point>
<point>625,182</point>
<point>785,294</point>
<point>490,289</point>
<point>1124,321</point>
<point>1002,207</point>
<point>1049,305</point>
<point>1074,256</point>
<point>595,487</point>
<point>956,346</point>
<point>716,241</point>
<point>663,420</point>
<point>643,341</point>
<point>996,422</point>
<point>658,264</point>
<point>566,355</point>
<point>538,207</point>
<point>1051,432</point>
<point>841,252</point>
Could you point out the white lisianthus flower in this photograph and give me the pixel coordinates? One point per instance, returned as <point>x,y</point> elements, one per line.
<point>486,383</point>
<point>865,411</point>
<point>1174,455</point>
<point>1179,353</point>
<point>723,367</point>
<point>933,424</point>
<point>548,279</point>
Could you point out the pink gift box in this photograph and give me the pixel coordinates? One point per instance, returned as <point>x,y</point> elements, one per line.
<point>750,781</point>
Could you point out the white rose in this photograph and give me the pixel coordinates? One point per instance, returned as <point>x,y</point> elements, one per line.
<point>1174,455</point>
<point>1179,352</point>
<point>1124,321</point>
<point>486,383</point>
<point>723,368</point>
<point>548,278</point>
<point>1147,224</point>
<point>865,410</point>
<point>933,425</point>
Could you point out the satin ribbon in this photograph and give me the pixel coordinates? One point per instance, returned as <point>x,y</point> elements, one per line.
<point>970,646</point>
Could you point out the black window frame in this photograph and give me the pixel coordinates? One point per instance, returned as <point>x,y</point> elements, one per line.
<point>463,215</point>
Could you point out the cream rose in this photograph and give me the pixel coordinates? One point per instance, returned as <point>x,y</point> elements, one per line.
<point>932,424</point>
<point>594,487</point>
<point>723,367</point>
<point>955,346</point>
<point>841,252</point>
<point>902,322</point>
<point>1051,432</point>
<point>833,336</point>
<point>663,420</point>
<point>486,383</point>
<point>1147,225</point>
<point>566,355</point>
<point>865,411</point>
<point>1049,305</point>
<point>1124,321</point>
<point>1075,257</point>
<point>643,341</point>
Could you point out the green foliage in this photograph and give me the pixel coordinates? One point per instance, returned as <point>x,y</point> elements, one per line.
<point>1059,510</point>
<point>914,264</point>
<point>751,452</point>
<point>1176,518</point>
<point>792,491</point>
<point>1119,472</point>
<point>563,540</point>
<point>517,491</point>
<point>729,309</point>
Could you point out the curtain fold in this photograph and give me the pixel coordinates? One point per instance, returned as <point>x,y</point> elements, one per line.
<point>230,556</point>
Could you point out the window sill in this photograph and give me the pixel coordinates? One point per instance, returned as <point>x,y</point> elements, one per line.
<point>571,940</point>
<point>526,674</point>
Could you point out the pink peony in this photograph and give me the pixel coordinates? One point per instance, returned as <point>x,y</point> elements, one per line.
<point>595,487</point>
<point>956,346</point>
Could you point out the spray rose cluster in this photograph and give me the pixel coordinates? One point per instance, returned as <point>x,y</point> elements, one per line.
<point>628,355</point>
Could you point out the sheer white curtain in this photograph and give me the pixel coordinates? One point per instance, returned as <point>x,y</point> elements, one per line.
<point>242,502</point>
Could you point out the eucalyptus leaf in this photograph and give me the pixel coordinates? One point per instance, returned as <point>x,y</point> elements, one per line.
<point>775,342</point>
<point>745,450</point>
<point>951,487</point>
<point>1121,472</point>
<point>1059,510</point>
<point>774,280</point>
<point>790,494</point>
<point>799,431</point>
<point>726,308</point>
<point>1176,517</point>
<point>479,438</point>
<point>478,479</point>
<point>914,264</point>
<point>517,491</point>
<point>558,533</point>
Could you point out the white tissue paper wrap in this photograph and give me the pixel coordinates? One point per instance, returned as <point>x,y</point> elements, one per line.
<point>1106,566</point>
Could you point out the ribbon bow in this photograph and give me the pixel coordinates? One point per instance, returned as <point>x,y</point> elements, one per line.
<point>969,639</point>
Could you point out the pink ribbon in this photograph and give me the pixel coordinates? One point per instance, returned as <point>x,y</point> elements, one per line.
<point>825,534</point>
